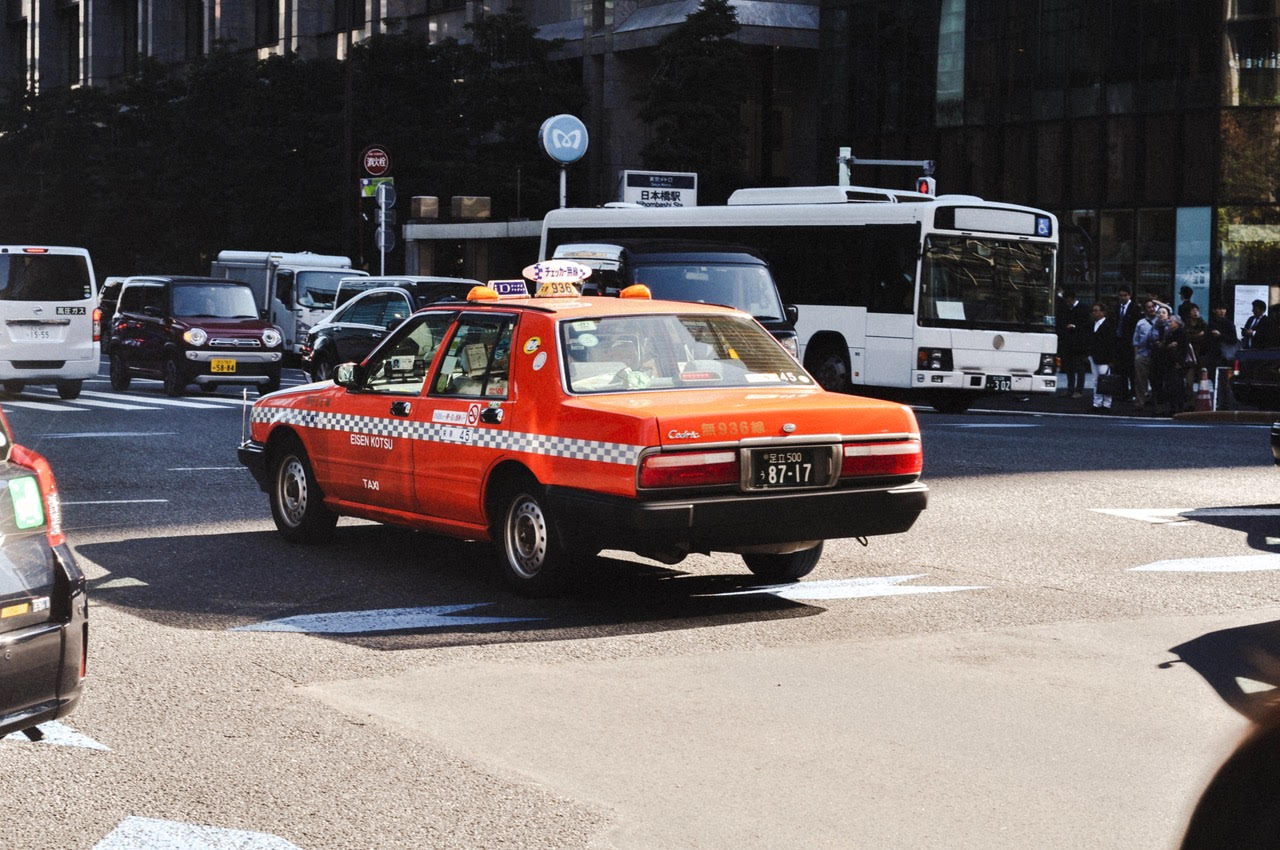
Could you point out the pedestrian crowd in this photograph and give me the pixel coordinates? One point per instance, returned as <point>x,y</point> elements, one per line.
<point>1150,354</point>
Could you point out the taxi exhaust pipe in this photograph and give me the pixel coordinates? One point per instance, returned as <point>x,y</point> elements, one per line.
<point>669,555</point>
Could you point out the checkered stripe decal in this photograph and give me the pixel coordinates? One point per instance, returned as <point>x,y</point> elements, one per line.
<point>488,438</point>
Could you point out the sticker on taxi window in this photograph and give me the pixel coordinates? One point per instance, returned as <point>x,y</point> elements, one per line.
<point>540,361</point>
<point>532,344</point>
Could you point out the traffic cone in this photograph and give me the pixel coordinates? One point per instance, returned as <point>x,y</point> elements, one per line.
<point>1204,400</point>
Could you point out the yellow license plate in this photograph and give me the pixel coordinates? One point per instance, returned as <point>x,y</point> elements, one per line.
<point>223,365</point>
<point>15,610</point>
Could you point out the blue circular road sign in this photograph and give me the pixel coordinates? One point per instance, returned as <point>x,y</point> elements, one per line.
<point>564,138</point>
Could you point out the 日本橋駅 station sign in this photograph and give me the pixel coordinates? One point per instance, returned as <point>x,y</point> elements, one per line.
<point>660,188</point>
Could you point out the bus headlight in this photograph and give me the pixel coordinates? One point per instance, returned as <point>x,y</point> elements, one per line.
<point>196,337</point>
<point>934,359</point>
<point>1048,364</point>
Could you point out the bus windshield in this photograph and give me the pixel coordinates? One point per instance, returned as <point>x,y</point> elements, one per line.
<point>749,288</point>
<point>316,289</point>
<point>998,284</point>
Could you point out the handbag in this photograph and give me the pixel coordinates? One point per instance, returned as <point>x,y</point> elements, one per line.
<point>1111,384</point>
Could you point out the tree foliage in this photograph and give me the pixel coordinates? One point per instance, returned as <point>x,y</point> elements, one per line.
<point>163,171</point>
<point>693,102</point>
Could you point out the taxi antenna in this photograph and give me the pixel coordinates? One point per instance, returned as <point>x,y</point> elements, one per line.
<point>244,412</point>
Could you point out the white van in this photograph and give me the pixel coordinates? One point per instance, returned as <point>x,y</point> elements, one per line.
<point>48,309</point>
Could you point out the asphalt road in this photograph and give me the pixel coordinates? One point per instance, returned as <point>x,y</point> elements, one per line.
<point>1057,655</point>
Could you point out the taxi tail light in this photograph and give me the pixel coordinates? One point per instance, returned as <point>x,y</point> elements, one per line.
<point>84,651</point>
<point>48,490</point>
<point>97,324</point>
<point>689,469</point>
<point>873,459</point>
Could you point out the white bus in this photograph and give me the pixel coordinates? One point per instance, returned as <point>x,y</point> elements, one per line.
<point>936,300</point>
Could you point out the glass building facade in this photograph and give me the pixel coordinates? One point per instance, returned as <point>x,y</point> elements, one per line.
<point>1150,127</point>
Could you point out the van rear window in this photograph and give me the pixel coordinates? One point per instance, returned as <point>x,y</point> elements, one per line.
<point>44,277</point>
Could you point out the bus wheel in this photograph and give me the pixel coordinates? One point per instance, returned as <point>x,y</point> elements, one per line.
<point>832,371</point>
<point>953,402</point>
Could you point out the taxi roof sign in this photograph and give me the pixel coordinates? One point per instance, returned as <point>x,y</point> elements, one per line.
<point>509,288</point>
<point>557,278</point>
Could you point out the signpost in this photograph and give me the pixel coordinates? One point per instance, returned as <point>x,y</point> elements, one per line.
<point>385,236</point>
<point>660,188</point>
<point>377,183</point>
<point>564,138</point>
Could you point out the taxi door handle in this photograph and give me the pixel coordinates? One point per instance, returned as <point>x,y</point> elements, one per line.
<point>400,408</point>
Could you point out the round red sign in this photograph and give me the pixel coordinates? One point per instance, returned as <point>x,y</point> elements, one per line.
<point>376,162</point>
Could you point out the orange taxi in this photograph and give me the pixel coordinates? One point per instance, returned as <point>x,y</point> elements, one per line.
<point>559,425</point>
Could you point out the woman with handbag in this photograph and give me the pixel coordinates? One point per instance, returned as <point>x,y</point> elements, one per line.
<point>1103,350</point>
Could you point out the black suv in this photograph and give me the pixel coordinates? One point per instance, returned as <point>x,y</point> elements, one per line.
<point>186,330</point>
<point>355,328</point>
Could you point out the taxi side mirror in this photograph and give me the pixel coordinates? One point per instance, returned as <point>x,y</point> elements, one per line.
<point>346,375</point>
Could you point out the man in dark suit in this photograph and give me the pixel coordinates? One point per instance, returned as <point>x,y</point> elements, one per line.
<point>1073,341</point>
<point>1103,350</point>
<point>1256,332</point>
<point>1127,315</point>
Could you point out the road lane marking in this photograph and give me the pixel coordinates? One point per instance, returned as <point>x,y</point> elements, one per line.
<point>851,588</point>
<point>1152,515</point>
<point>74,435</point>
<point>122,502</point>
<point>381,620</point>
<point>203,468</point>
<point>117,583</point>
<point>994,425</point>
<point>1229,564</point>
<point>1183,516</point>
<point>59,735</point>
<point>137,833</point>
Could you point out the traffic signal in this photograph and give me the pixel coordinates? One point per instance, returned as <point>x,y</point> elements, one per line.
<point>926,186</point>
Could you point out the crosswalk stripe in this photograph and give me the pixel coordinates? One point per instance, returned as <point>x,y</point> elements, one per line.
<point>171,402</point>
<point>88,402</point>
<point>40,405</point>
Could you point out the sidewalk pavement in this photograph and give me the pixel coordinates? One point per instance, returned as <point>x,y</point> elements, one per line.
<point>1061,403</point>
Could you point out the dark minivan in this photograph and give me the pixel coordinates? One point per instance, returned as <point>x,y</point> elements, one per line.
<point>193,330</point>
<point>682,270</point>
<point>44,608</point>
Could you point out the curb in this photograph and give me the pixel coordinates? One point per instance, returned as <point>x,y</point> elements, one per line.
<point>1248,417</point>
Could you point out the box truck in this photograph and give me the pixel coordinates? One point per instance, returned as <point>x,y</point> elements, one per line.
<point>293,290</point>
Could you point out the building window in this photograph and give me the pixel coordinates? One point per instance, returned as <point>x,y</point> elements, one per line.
<point>950,96</point>
<point>194,34</point>
<point>266,23</point>
<point>71,32</point>
<point>1156,238</point>
<point>349,14</point>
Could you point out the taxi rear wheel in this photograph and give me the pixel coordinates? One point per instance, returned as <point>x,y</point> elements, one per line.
<point>790,567</point>
<point>533,560</point>
<point>296,504</point>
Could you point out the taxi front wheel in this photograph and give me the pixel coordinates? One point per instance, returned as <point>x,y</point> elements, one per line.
<point>790,567</point>
<point>296,504</point>
<point>533,560</point>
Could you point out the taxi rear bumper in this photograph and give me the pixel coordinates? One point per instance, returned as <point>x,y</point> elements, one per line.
<point>726,521</point>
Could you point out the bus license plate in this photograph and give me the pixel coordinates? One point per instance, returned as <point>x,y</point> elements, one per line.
<point>223,366</point>
<point>786,468</point>
<point>1000,383</point>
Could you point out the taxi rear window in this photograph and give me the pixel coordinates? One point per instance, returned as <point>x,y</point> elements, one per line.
<point>662,352</point>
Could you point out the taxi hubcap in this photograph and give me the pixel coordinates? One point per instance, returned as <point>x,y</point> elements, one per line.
<point>293,490</point>
<point>526,537</point>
